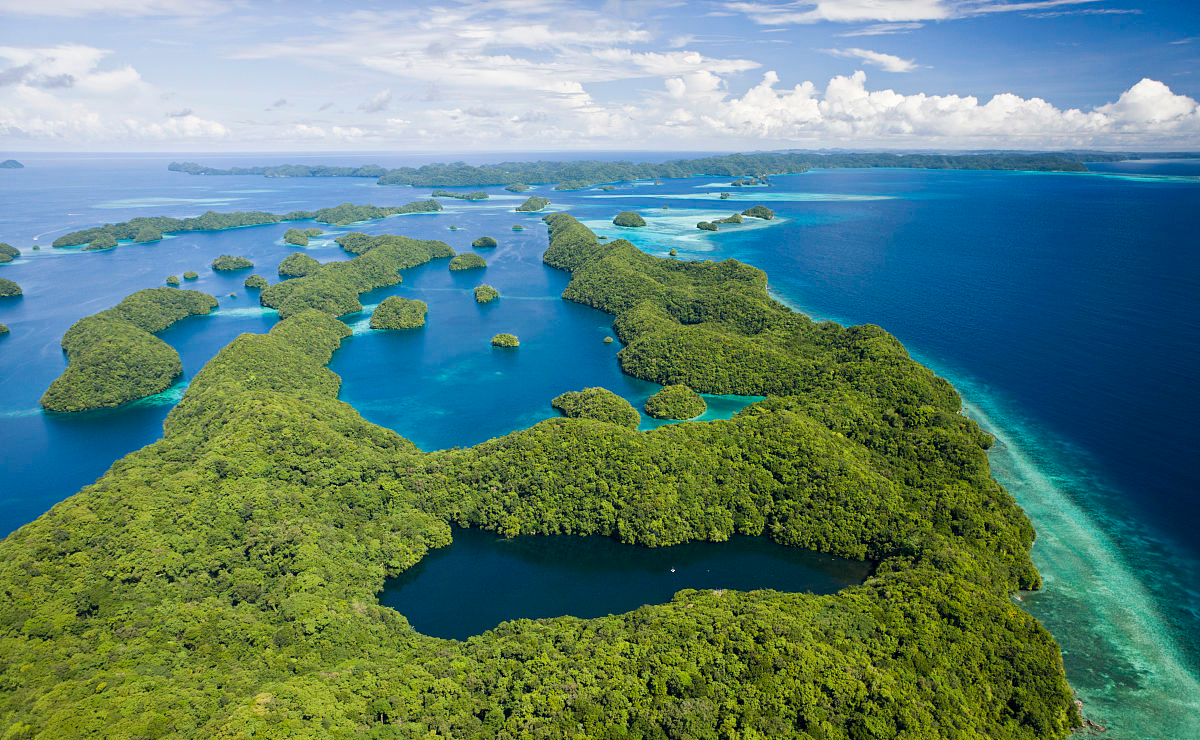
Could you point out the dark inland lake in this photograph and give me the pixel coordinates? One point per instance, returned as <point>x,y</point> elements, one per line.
<point>483,579</point>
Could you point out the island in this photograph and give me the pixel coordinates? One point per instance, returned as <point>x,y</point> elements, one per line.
<point>11,164</point>
<point>143,228</point>
<point>533,203</point>
<point>102,241</point>
<point>734,219</point>
<point>113,356</point>
<point>146,234</point>
<point>673,252</point>
<point>467,262</point>
<point>297,264</point>
<point>256,282</point>
<point>228,573</point>
<point>629,218</point>
<point>724,196</point>
<point>485,294</point>
<point>675,402</point>
<point>484,242</point>
<point>477,195</point>
<point>399,313</point>
<point>516,187</point>
<point>505,340</point>
<point>753,168</point>
<point>8,288</point>
<point>191,275</point>
<point>759,212</point>
<point>173,280</point>
<point>8,253</point>
<point>598,404</point>
<point>300,237</point>
<point>518,227</point>
<point>230,263</point>
<point>3,330</point>
<point>707,226</point>
<point>335,287</point>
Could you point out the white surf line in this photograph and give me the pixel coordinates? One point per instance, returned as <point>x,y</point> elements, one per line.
<point>1083,563</point>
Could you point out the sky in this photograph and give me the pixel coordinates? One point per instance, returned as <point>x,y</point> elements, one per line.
<point>549,75</point>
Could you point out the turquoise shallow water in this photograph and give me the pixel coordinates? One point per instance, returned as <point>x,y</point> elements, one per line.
<point>1062,307</point>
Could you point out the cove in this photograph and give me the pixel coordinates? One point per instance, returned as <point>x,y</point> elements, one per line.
<point>483,579</point>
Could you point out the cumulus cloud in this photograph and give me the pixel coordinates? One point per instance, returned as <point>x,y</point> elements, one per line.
<point>65,93</point>
<point>847,112</point>
<point>886,62</point>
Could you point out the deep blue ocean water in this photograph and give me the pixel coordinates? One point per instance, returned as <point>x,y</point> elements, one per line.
<point>1063,307</point>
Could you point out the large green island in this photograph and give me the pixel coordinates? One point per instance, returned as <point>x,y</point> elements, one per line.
<point>222,582</point>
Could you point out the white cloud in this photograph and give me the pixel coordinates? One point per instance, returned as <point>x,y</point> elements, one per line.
<point>130,8</point>
<point>844,11</point>
<point>883,11</point>
<point>886,62</point>
<point>378,102</point>
<point>847,113</point>
<point>91,104</point>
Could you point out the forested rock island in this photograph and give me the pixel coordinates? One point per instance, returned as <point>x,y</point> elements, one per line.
<point>222,582</point>
<point>746,167</point>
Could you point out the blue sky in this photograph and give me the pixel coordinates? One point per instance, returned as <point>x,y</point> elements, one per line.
<point>214,75</point>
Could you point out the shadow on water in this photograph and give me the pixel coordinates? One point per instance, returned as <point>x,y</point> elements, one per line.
<point>483,579</point>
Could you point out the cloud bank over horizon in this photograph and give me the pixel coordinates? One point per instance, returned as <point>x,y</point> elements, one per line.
<point>550,75</point>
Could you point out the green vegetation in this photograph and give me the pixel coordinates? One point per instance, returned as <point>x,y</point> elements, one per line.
<point>8,253</point>
<point>298,264</point>
<point>3,330</point>
<point>484,242</point>
<point>485,294</point>
<point>399,313</point>
<point>759,212</point>
<point>673,252</point>
<point>8,288</point>
<point>230,263</point>
<point>607,188</point>
<point>11,164</point>
<point>295,237</point>
<point>516,187</point>
<point>286,170</point>
<point>675,402</point>
<point>724,196</point>
<point>467,262</point>
<point>257,282</point>
<point>102,241</point>
<point>518,227</point>
<point>533,203</point>
<point>734,219</point>
<point>752,168</point>
<point>629,218</point>
<point>505,340</point>
<point>477,195</point>
<point>190,275</point>
<point>173,280</point>
<point>707,226</point>
<point>147,234</point>
<point>608,340</point>
<point>334,288</point>
<point>598,404</point>
<point>114,356</point>
<point>341,215</point>
<point>222,582</point>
